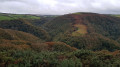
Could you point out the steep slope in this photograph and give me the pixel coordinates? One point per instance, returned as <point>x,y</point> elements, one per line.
<point>15,39</point>
<point>43,19</point>
<point>9,34</point>
<point>86,30</point>
<point>12,39</point>
<point>25,26</point>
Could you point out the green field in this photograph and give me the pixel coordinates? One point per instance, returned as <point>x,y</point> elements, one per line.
<point>14,16</point>
<point>116,15</point>
<point>5,18</point>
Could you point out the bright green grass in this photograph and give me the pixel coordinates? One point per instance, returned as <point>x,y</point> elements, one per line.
<point>5,18</point>
<point>116,15</point>
<point>11,17</point>
<point>25,16</point>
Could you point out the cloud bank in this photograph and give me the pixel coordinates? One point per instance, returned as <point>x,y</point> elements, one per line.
<point>59,6</point>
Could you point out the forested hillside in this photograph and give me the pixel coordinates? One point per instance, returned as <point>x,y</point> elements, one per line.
<point>25,26</point>
<point>72,40</point>
<point>86,30</point>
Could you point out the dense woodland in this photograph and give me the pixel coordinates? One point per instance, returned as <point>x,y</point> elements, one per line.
<point>73,40</point>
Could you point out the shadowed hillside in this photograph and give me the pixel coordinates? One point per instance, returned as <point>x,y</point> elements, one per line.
<point>9,34</point>
<point>25,26</point>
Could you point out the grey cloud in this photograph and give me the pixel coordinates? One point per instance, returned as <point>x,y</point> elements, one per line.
<point>59,6</point>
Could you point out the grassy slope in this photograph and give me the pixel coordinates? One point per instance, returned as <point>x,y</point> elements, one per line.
<point>116,15</point>
<point>17,16</point>
<point>82,29</point>
<point>5,18</point>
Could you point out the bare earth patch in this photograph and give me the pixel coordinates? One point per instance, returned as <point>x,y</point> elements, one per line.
<point>82,29</point>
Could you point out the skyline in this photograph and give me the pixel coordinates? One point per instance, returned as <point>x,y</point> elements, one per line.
<point>59,7</point>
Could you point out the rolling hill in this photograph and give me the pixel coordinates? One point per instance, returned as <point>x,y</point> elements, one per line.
<point>72,40</point>
<point>29,23</point>
<point>25,26</point>
<point>86,30</point>
<point>9,34</point>
<point>12,39</point>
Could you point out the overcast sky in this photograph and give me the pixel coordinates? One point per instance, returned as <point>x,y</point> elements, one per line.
<point>59,6</point>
